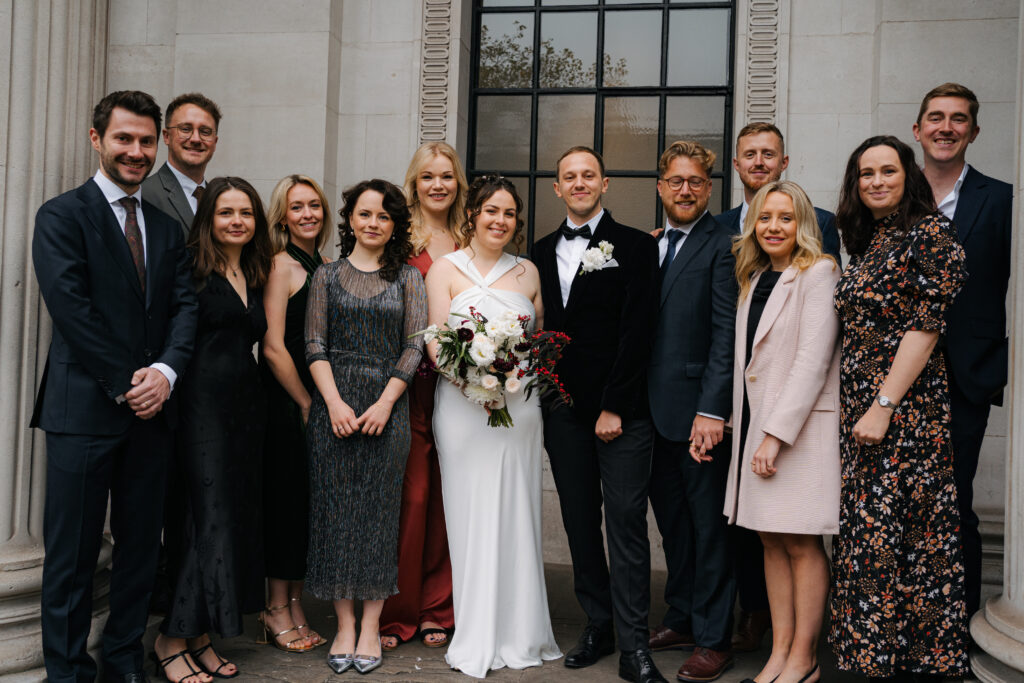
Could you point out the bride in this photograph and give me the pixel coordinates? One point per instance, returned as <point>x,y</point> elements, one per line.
<point>491,476</point>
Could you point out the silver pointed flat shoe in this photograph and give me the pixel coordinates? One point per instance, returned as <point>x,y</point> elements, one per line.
<point>364,664</point>
<point>339,664</point>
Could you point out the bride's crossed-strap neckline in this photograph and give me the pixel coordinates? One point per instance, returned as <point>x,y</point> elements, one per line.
<point>465,265</point>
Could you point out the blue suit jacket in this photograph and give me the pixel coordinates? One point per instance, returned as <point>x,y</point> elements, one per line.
<point>976,341</point>
<point>826,221</point>
<point>691,365</point>
<point>104,326</point>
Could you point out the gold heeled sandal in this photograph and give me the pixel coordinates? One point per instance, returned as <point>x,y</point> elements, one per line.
<point>273,637</point>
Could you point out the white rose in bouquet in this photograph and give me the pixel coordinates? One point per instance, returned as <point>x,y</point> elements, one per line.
<point>482,350</point>
<point>512,385</point>
<point>489,382</point>
<point>477,394</point>
<point>430,334</point>
<point>495,330</point>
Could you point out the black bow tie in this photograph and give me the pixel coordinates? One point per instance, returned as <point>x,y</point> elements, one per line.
<point>573,233</point>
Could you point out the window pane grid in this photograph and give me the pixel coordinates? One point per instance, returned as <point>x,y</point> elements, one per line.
<point>551,52</point>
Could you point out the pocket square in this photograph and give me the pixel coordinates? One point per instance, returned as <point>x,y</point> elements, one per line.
<point>611,263</point>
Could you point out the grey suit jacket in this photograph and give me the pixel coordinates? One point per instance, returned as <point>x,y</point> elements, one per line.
<point>162,190</point>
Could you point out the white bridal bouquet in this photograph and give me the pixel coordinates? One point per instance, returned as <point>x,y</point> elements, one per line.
<point>488,359</point>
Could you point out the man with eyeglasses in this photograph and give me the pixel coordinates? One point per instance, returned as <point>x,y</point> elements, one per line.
<point>191,139</point>
<point>689,383</point>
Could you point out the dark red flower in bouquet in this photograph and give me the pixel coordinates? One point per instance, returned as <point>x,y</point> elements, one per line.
<point>465,334</point>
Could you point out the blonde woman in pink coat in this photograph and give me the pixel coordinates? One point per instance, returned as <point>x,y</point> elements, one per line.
<point>784,475</point>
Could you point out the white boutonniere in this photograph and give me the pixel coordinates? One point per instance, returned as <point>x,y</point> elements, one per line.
<point>598,258</point>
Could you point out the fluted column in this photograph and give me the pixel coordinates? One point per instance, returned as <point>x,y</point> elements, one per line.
<point>998,629</point>
<point>53,61</point>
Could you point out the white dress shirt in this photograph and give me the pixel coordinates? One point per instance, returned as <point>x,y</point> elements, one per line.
<point>188,186</point>
<point>114,195</point>
<point>948,205</point>
<point>743,213</point>
<point>569,255</point>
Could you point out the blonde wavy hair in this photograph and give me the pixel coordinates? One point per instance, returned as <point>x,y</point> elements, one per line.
<point>751,258</point>
<point>421,157</point>
<point>279,235</point>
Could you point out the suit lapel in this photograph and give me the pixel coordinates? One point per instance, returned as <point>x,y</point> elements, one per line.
<point>698,237</point>
<point>548,266</point>
<point>581,281</point>
<point>176,196</point>
<point>101,217</point>
<point>776,301</point>
<point>969,205</point>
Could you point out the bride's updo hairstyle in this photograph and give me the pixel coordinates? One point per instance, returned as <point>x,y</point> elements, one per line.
<point>482,189</point>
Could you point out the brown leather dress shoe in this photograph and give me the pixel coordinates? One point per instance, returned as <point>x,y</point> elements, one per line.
<point>704,665</point>
<point>664,638</point>
<point>750,630</point>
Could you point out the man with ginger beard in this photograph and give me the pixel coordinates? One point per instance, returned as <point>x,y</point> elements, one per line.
<point>191,139</point>
<point>760,159</point>
<point>690,390</point>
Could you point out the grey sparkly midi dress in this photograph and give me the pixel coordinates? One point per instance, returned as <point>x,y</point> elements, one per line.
<point>361,324</point>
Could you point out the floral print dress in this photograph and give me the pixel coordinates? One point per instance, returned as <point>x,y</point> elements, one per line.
<point>898,575</point>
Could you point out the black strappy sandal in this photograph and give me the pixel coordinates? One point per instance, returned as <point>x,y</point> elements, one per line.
<point>196,654</point>
<point>159,664</point>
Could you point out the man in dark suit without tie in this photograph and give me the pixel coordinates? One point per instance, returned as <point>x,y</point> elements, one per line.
<point>977,347</point>
<point>760,159</point>
<point>116,281</point>
<point>191,139</point>
<point>600,447</point>
<point>690,389</point>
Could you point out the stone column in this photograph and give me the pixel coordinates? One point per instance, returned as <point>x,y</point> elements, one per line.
<point>998,629</point>
<point>54,72</point>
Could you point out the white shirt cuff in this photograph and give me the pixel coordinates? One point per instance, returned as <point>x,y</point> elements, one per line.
<point>713,417</point>
<point>167,372</point>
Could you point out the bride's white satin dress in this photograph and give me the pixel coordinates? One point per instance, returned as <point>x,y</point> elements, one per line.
<point>491,480</point>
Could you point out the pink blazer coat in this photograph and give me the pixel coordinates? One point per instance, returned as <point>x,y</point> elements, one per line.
<point>792,383</point>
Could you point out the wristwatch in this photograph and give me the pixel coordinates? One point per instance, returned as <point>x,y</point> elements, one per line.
<point>885,402</point>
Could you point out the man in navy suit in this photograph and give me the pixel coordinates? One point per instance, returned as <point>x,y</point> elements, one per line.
<point>116,280</point>
<point>191,139</point>
<point>976,342</point>
<point>690,389</point>
<point>760,159</point>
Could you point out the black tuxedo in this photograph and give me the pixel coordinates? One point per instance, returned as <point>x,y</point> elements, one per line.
<point>105,327</point>
<point>826,223</point>
<point>609,317</point>
<point>976,344</point>
<point>163,191</point>
<point>691,372</point>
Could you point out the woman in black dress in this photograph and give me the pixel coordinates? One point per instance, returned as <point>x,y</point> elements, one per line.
<point>217,566</point>
<point>297,232</point>
<point>898,608</point>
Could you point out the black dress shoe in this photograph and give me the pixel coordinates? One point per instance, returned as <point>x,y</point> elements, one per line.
<point>134,677</point>
<point>593,644</point>
<point>638,666</point>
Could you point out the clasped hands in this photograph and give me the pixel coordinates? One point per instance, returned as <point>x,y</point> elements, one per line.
<point>705,434</point>
<point>150,389</point>
<point>345,423</point>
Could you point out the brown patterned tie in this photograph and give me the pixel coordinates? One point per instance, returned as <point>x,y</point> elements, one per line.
<point>133,234</point>
<point>198,194</point>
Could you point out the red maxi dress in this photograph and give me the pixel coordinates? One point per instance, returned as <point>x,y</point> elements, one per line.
<point>424,568</point>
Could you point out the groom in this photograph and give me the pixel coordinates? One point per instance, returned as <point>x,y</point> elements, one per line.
<point>600,448</point>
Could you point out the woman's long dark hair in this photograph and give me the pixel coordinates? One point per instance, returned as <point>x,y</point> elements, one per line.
<point>482,189</point>
<point>207,255</point>
<point>399,247</point>
<point>854,221</point>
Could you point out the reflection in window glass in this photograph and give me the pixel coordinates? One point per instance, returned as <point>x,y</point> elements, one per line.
<point>697,55</point>
<point>631,133</point>
<point>633,201</point>
<point>523,188</point>
<point>549,211</point>
<point>562,122</point>
<point>568,2</point>
<point>568,49</point>
<point>632,48</point>
<point>507,3</point>
<point>503,132</point>
<point>700,119</point>
<point>506,51</point>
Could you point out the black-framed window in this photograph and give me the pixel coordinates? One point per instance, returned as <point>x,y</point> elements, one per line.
<point>625,77</point>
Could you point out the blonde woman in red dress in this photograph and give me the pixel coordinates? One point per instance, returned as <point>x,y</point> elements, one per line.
<point>435,185</point>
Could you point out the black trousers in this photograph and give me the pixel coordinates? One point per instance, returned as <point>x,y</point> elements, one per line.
<point>967,428</point>
<point>82,471</point>
<point>589,473</point>
<point>687,498</point>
